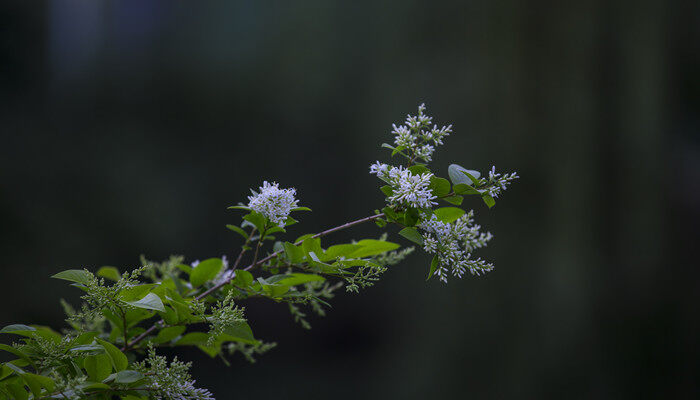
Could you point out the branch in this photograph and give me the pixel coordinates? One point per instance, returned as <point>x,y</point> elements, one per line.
<point>251,266</point>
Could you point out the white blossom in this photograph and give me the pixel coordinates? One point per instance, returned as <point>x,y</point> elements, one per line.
<point>498,182</point>
<point>273,203</point>
<point>408,189</point>
<point>453,244</point>
<point>417,137</point>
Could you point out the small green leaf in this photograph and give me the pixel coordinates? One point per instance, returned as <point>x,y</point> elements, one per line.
<point>412,234</point>
<point>418,169</point>
<point>98,367</point>
<point>489,200</point>
<point>372,247</point>
<point>456,200</point>
<point>238,230</point>
<point>448,214</point>
<point>111,273</point>
<point>239,207</point>
<point>193,338</point>
<point>340,250</point>
<point>36,382</point>
<point>387,190</point>
<point>301,209</point>
<point>439,186</point>
<point>312,245</point>
<point>242,278</point>
<point>239,332</point>
<point>136,292</point>
<point>398,149</point>
<point>433,267</point>
<point>150,302</point>
<point>88,349</point>
<point>205,271</point>
<point>294,253</point>
<point>411,217</point>
<point>168,334</point>
<point>464,188</point>
<point>294,279</point>
<point>128,376</point>
<point>74,275</point>
<point>257,219</point>
<point>15,328</point>
<point>169,315</point>
<point>17,391</point>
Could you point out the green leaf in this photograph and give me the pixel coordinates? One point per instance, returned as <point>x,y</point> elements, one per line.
<point>238,230</point>
<point>128,376</point>
<point>257,219</point>
<point>399,149</point>
<point>465,188</point>
<point>411,217</point>
<point>312,245</point>
<point>433,267</point>
<point>242,278</point>
<point>74,275</point>
<point>294,279</point>
<point>134,293</point>
<point>193,338</point>
<point>169,333</point>
<point>387,190</point>
<point>340,250</point>
<point>15,328</point>
<point>205,271</point>
<point>98,367</point>
<point>371,247</point>
<point>459,174</point>
<point>17,391</point>
<point>36,382</point>
<point>14,351</point>
<point>456,200</point>
<point>294,253</point>
<point>489,200</point>
<point>111,273</point>
<point>439,186</point>
<point>85,338</point>
<point>301,209</point>
<point>418,169</point>
<point>448,214</point>
<point>240,332</point>
<point>169,316</point>
<point>392,215</point>
<point>273,289</point>
<point>150,302</point>
<point>239,207</point>
<point>412,234</point>
<point>88,349</point>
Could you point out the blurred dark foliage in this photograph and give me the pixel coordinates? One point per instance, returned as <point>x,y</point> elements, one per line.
<point>127,127</point>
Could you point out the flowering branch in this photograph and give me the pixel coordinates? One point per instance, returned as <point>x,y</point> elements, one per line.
<point>96,355</point>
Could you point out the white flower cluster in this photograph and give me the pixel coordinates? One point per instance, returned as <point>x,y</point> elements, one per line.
<point>453,244</point>
<point>184,390</point>
<point>498,182</point>
<point>409,189</point>
<point>170,382</point>
<point>418,137</point>
<point>274,203</point>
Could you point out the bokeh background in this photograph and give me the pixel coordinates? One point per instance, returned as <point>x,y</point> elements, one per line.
<point>128,127</point>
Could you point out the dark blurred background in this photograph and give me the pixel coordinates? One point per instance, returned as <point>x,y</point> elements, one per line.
<point>128,127</point>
